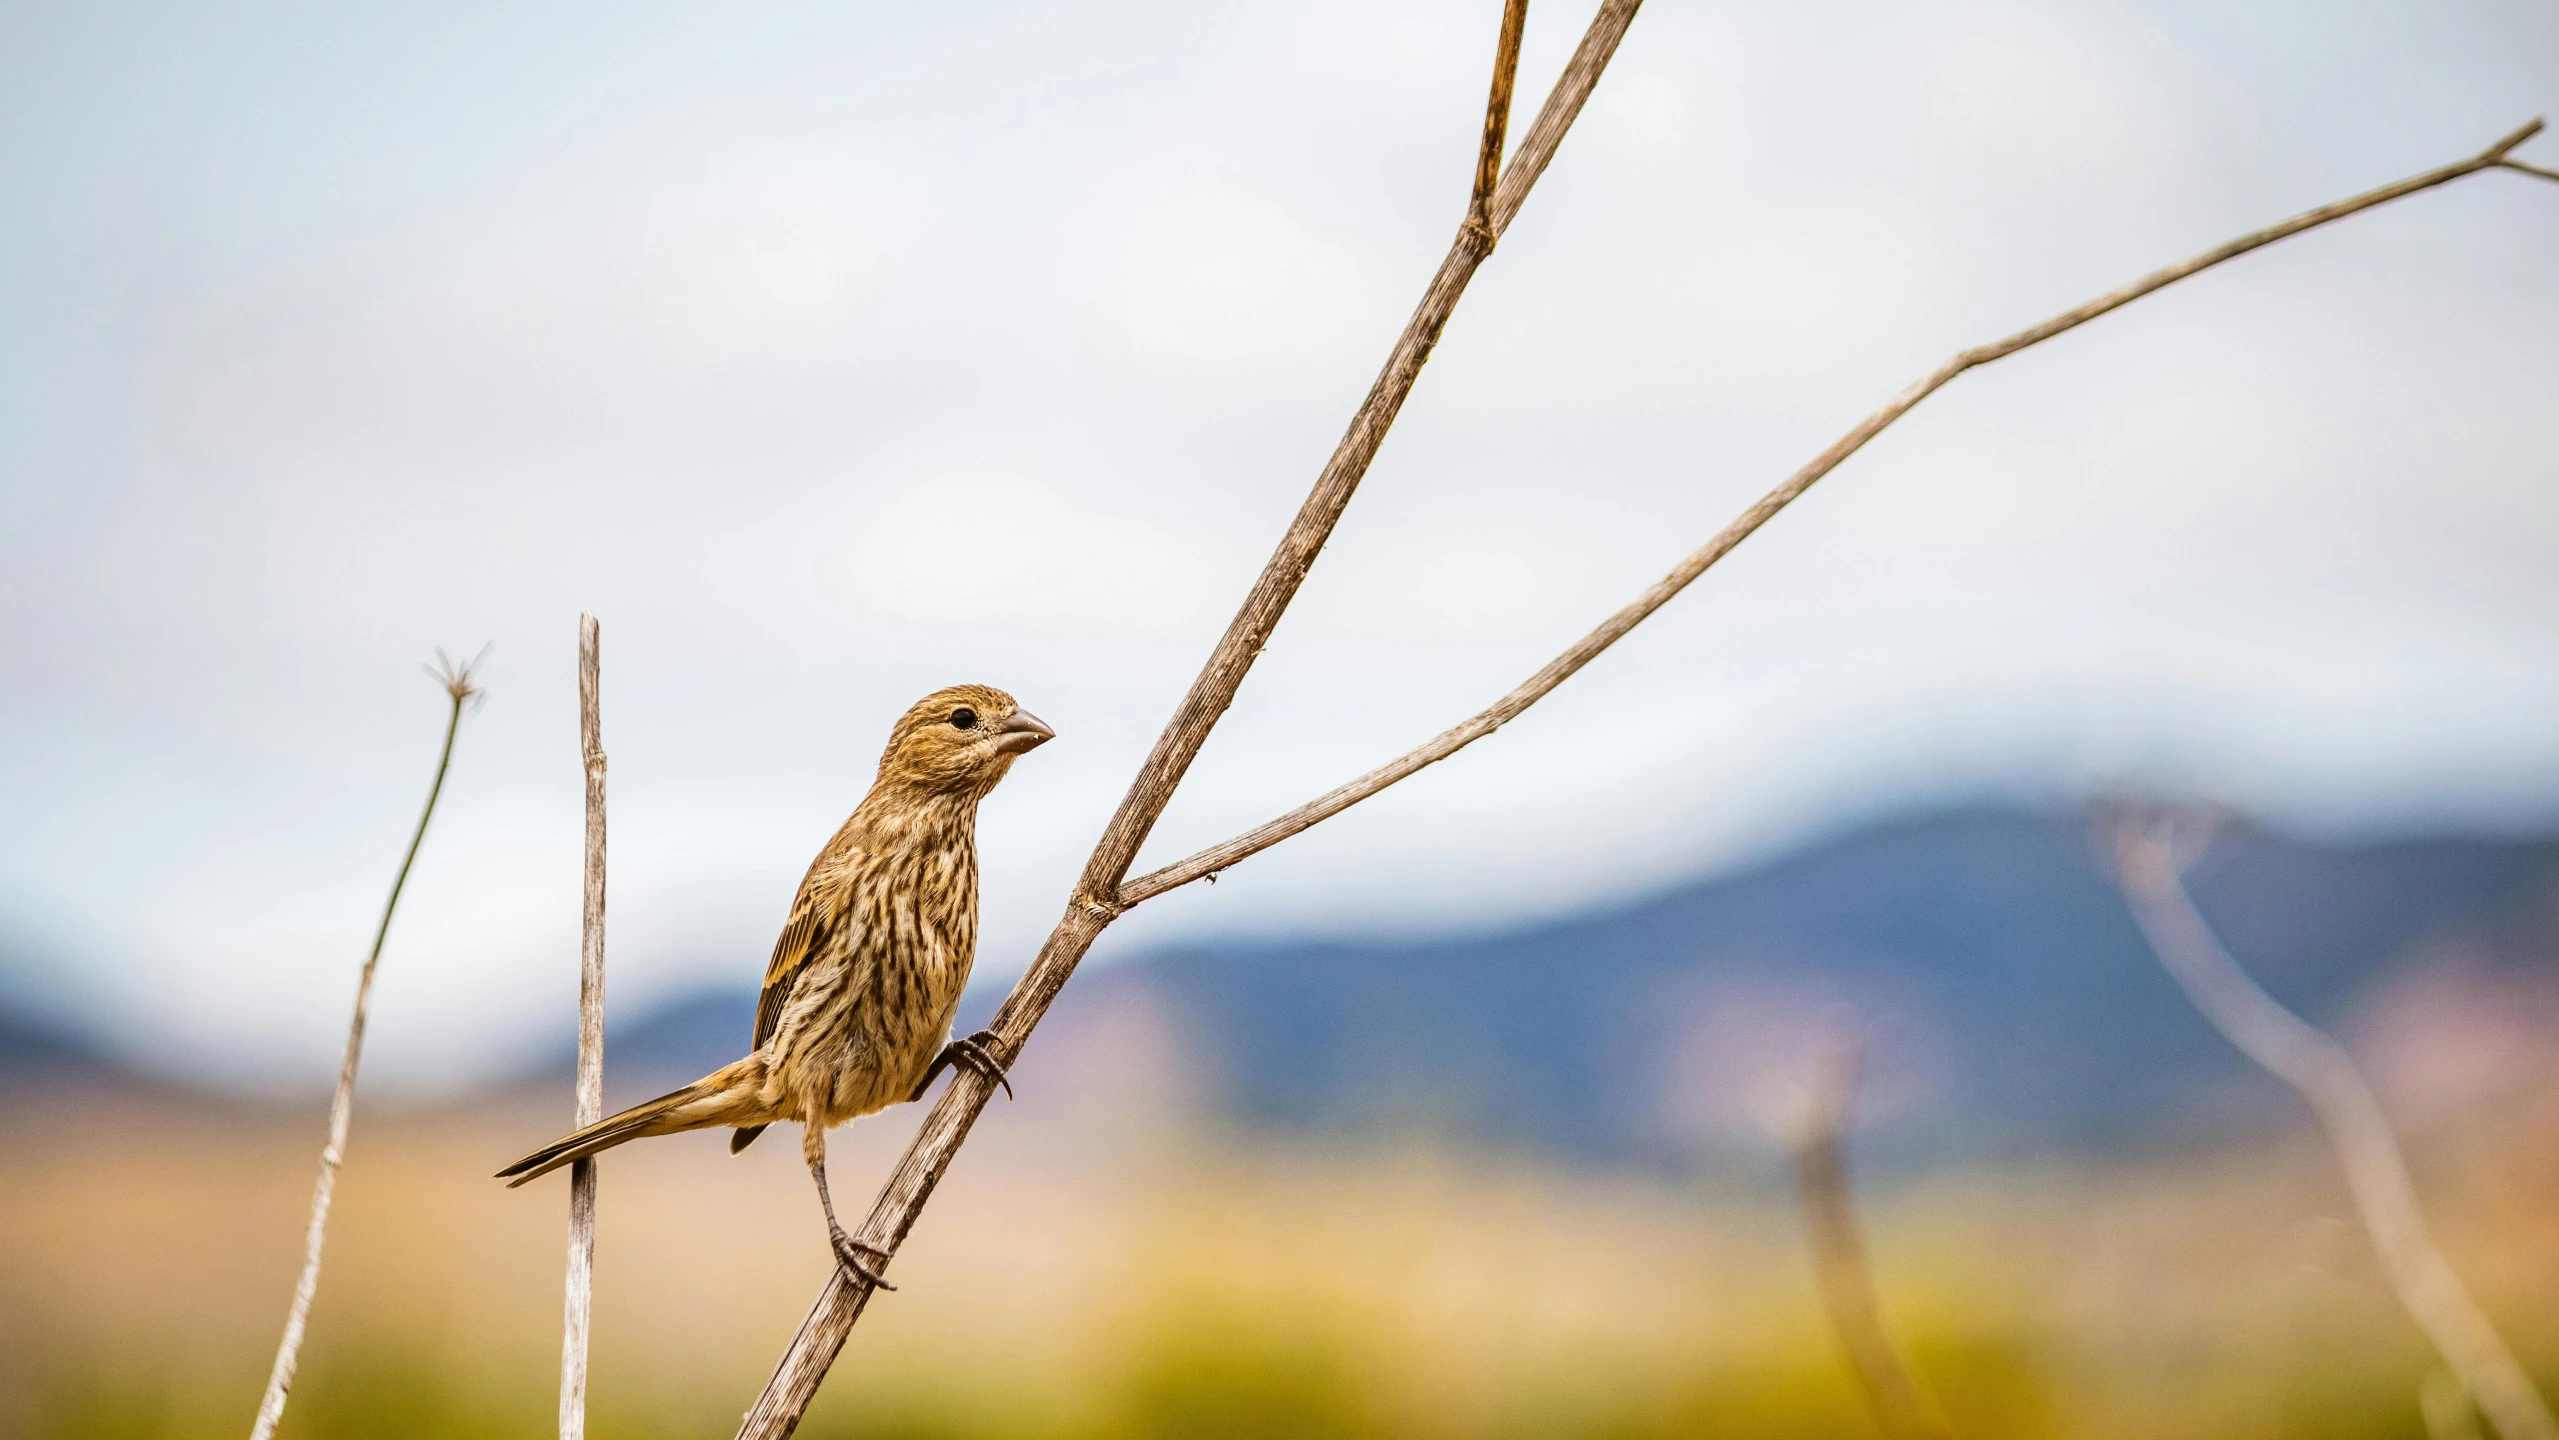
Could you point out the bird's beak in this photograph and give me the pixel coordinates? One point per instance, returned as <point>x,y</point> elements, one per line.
<point>1021,731</point>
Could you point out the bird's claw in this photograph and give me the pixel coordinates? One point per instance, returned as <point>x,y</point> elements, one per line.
<point>849,1253</point>
<point>971,1051</point>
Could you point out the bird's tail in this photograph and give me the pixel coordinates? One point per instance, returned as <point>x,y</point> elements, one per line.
<point>730,1095</point>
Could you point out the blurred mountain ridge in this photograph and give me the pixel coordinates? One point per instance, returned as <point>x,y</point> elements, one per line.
<point>2006,999</point>
<point>33,1048</point>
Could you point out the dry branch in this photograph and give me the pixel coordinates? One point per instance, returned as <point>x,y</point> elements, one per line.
<point>1562,667</point>
<point>2150,854</point>
<point>1095,903</point>
<point>1497,119</point>
<point>1215,688</point>
<point>578,1307</point>
<point>456,680</point>
<point>1903,1408</point>
<point>1101,896</point>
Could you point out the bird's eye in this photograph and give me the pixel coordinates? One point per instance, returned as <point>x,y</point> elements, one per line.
<point>964,719</point>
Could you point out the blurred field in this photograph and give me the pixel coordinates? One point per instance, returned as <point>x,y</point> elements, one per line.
<point>1105,1263</point>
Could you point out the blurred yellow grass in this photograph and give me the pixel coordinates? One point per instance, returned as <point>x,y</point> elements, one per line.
<point>1100,1264</point>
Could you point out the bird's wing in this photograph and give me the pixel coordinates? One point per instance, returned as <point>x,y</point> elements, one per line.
<point>811,918</point>
<point>815,913</point>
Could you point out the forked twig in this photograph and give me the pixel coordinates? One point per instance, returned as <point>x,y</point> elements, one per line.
<point>1562,667</point>
<point>1096,901</point>
<point>1903,1407</point>
<point>458,686</point>
<point>1215,688</point>
<point>578,1307</point>
<point>2150,855</point>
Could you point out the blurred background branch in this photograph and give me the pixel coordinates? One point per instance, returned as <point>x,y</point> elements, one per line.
<point>2151,852</point>
<point>2445,1403</point>
<point>460,689</point>
<point>1904,1410</point>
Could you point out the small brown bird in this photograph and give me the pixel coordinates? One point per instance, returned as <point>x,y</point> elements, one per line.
<point>859,996</point>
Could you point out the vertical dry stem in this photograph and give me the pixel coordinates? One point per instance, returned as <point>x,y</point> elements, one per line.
<point>581,1283</point>
<point>1903,1408</point>
<point>2150,854</point>
<point>456,680</point>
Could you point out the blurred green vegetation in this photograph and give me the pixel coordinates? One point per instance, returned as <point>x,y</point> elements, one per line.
<point>1196,1374</point>
<point>1212,1289</point>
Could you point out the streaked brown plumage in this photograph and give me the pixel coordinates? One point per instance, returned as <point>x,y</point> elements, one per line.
<point>859,996</point>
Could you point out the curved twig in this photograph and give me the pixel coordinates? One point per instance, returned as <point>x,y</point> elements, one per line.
<point>1561,668</point>
<point>2150,853</point>
<point>458,685</point>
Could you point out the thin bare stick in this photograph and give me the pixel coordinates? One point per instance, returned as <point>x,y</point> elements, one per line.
<point>2150,853</point>
<point>777,1411</point>
<point>590,1107</point>
<point>1562,667</point>
<point>1903,1407</point>
<point>1497,119</point>
<point>458,686</point>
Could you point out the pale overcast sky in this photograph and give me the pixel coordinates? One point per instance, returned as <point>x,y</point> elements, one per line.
<point>834,354</point>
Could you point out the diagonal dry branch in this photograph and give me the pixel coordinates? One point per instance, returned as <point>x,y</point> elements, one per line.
<point>1561,668</point>
<point>2150,855</point>
<point>1493,201</point>
<point>1215,688</point>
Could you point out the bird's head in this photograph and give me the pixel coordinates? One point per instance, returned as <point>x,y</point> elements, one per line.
<point>959,741</point>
